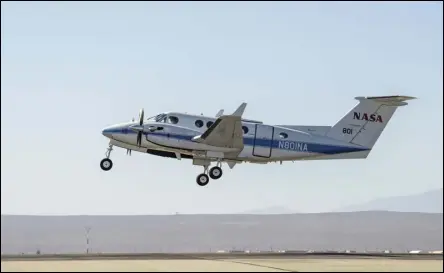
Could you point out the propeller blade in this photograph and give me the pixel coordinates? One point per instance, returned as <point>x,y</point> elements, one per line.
<point>141,114</point>
<point>139,138</point>
<point>138,129</point>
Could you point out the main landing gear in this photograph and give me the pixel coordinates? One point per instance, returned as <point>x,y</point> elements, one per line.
<point>215,173</point>
<point>106,164</point>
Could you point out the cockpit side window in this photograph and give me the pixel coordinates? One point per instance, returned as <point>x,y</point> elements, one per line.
<point>160,118</point>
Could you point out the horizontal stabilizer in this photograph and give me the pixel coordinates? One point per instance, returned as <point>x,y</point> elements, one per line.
<point>388,100</point>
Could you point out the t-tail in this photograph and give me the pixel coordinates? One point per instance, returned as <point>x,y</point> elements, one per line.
<point>364,124</point>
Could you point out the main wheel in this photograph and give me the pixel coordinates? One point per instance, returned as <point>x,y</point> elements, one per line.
<point>106,164</point>
<point>215,172</point>
<point>202,179</point>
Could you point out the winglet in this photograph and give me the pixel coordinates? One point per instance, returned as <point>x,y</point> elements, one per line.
<point>221,111</point>
<point>240,110</point>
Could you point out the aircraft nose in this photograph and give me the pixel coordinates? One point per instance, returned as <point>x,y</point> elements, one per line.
<point>108,131</point>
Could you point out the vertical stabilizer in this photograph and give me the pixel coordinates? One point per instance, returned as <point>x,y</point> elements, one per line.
<point>365,122</point>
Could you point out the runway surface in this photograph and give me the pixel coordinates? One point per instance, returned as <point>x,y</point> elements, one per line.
<point>241,255</point>
<point>215,262</point>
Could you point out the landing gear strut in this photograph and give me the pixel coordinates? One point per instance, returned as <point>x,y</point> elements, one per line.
<point>215,173</point>
<point>106,164</point>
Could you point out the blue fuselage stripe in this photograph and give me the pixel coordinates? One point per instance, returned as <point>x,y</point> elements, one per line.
<point>275,144</point>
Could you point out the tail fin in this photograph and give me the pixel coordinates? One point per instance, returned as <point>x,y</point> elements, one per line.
<point>364,124</point>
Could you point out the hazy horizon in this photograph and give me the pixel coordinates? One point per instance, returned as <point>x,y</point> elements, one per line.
<point>358,231</point>
<point>276,210</point>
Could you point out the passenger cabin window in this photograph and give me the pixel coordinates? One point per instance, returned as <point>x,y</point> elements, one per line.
<point>199,123</point>
<point>209,123</point>
<point>245,129</point>
<point>173,119</point>
<point>283,135</point>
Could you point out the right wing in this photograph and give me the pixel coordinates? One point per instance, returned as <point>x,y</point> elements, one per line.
<point>226,131</point>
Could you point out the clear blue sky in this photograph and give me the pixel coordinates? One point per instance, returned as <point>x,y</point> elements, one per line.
<point>68,69</point>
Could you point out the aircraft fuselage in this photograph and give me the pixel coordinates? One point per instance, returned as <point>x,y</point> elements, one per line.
<point>232,139</point>
<point>262,143</point>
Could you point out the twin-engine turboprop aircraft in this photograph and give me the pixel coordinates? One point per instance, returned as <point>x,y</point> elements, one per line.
<point>232,139</point>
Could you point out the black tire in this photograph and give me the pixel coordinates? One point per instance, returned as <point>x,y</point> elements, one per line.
<point>106,164</point>
<point>202,179</point>
<point>215,173</point>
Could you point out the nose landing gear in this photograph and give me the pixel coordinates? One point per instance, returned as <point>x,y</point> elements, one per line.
<point>106,164</point>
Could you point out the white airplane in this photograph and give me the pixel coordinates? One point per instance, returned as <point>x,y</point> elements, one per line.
<point>232,139</point>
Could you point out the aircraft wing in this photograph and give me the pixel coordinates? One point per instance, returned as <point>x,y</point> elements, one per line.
<point>226,131</point>
<point>221,111</point>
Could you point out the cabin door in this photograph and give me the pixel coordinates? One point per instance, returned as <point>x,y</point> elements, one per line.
<point>263,140</point>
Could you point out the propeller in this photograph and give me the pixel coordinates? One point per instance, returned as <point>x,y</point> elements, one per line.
<point>139,128</point>
<point>140,133</point>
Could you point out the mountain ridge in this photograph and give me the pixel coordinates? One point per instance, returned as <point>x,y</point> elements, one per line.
<point>426,202</point>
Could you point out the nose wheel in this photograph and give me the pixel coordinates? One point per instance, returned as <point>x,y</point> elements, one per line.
<point>215,173</point>
<point>106,164</point>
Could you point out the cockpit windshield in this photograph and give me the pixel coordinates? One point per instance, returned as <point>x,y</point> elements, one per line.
<point>158,118</point>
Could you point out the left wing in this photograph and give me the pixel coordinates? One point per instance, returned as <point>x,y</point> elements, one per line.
<point>226,131</point>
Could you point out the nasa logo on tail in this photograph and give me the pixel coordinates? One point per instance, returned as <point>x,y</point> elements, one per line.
<point>367,117</point>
